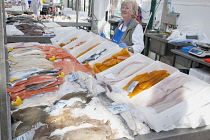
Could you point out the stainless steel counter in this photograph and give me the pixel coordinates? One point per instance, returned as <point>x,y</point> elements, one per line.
<point>177,134</point>
<point>40,39</point>
<point>158,43</point>
<point>190,57</point>
<point>86,24</point>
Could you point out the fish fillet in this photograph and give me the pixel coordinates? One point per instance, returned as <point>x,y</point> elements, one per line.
<point>27,94</point>
<point>92,133</point>
<point>176,97</point>
<point>70,66</point>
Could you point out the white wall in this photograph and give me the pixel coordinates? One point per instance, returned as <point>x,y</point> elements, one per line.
<point>192,12</point>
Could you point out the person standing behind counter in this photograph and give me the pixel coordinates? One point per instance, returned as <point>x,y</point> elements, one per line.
<point>129,32</point>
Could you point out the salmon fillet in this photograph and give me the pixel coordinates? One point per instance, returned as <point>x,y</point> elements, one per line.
<point>70,66</point>
<point>27,94</point>
<point>40,79</point>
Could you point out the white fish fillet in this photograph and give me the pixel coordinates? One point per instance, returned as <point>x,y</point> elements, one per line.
<point>33,62</point>
<point>130,69</point>
<point>125,72</point>
<point>177,96</point>
<point>22,50</point>
<point>171,83</point>
<point>95,110</point>
<point>39,100</point>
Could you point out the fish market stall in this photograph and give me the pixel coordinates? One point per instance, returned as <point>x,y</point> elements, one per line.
<point>62,90</point>
<point>25,29</point>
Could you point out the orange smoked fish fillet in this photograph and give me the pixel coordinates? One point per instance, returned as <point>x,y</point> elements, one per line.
<point>113,60</point>
<point>146,80</point>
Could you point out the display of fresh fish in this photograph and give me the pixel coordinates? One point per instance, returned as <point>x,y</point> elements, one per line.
<point>29,117</point>
<point>177,96</point>
<point>70,66</point>
<point>172,83</point>
<point>91,133</point>
<point>22,45</point>
<point>125,72</point>
<point>40,79</point>
<point>29,75</point>
<point>58,53</point>
<point>106,101</point>
<point>32,63</point>
<point>94,56</point>
<point>38,86</point>
<point>23,94</point>
<point>22,50</point>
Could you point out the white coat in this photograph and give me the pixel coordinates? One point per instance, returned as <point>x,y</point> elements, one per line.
<point>36,6</point>
<point>24,4</point>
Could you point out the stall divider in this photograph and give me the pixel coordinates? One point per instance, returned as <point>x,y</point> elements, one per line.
<point>5,115</point>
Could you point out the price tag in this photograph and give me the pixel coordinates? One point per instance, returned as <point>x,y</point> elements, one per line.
<point>118,108</point>
<point>132,86</point>
<point>110,75</point>
<point>72,77</point>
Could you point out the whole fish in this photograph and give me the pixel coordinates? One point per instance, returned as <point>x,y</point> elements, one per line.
<point>43,72</point>
<point>94,56</point>
<point>106,101</point>
<point>38,86</point>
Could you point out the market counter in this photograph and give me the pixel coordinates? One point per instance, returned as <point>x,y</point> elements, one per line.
<point>158,43</point>
<point>40,39</point>
<point>190,57</point>
<point>177,134</point>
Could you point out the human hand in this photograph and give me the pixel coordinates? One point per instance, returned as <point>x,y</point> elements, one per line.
<point>103,35</point>
<point>122,45</point>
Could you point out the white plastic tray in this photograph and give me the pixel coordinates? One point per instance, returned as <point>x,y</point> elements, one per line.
<point>66,38</point>
<point>144,61</point>
<point>110,46</point>
<point>62,32</point>
<point>78,50</point>
<point>163,120</point>
<point>82,38</point>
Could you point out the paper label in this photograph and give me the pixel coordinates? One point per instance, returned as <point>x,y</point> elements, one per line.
<point>110,75</point>
<point>72,77</point>
<point>118,108</point>
<point>132,86</point>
